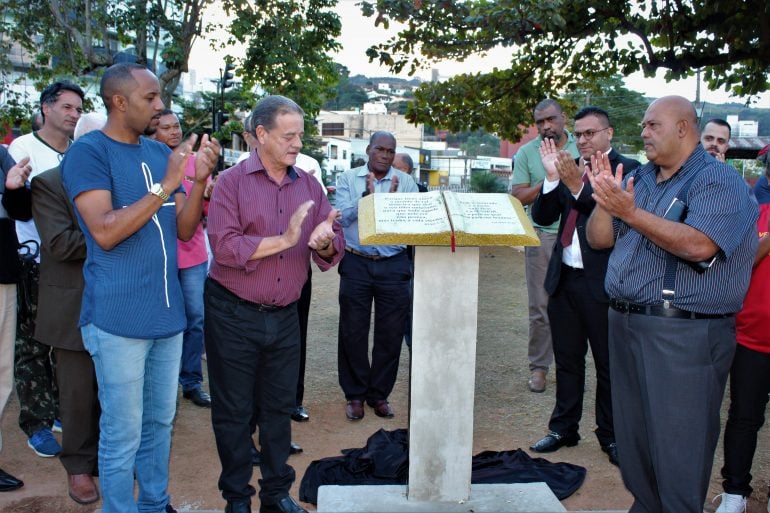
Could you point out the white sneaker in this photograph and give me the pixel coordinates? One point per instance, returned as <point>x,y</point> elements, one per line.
<point>731,503</point>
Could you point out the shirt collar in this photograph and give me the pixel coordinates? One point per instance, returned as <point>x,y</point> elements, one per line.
<point>364,171</point>
<point>253,164</point>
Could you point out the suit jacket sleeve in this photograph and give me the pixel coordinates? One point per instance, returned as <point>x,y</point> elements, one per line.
<point>51,209</point>
<point>548,207</point>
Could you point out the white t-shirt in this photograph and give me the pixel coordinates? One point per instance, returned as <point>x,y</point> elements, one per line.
<point>41,158</point>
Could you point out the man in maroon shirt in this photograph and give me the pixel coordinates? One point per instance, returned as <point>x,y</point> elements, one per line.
<point>266,220</point>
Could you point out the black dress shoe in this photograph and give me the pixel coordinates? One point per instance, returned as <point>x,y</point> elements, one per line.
<point>300,414</point>
<point>285,505</point>
<point>354,410</point>
<point>238,507</point>
<point>612,452</point>
<point>8,482</point>
<point>382,409</point>
<point>198,397</point>
<point>554,441</point>
<point>294,448</point>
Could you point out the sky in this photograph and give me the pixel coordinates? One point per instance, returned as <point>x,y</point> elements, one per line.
<point>359,33</point>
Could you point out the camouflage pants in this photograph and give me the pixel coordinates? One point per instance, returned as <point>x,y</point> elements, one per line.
<point>33,363</point>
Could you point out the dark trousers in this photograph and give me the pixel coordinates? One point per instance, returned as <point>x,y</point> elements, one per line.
<point>80,411</point>
<point>668,378</point>
<point>578,320</point>
<point>749,387</point>
<point>250,350</point>
<point>303,310</point>
<point>387,283</point>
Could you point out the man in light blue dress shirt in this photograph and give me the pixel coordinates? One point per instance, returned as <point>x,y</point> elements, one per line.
<point>371,273</point>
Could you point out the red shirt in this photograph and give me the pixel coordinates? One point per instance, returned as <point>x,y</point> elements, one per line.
<point>247,206</point>
<point>751,323</point>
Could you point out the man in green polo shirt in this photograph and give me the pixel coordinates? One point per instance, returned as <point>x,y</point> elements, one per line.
<point>528,175</point>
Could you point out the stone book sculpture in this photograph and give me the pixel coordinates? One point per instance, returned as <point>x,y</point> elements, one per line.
<point>444,218</point>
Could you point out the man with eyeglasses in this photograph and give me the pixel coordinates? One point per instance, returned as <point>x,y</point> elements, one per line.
<point>575,282</point>
<point>528,176</point>
<point>61,105</point>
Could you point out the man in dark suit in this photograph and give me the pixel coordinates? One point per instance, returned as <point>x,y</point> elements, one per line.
<point>63,250</point>
<point>577,304</point>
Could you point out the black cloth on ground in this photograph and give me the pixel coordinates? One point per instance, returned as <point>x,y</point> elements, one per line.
<point>385,461</point>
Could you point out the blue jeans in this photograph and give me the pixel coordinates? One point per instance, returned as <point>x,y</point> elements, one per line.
<point>192,279</point>
<point>137,392</point>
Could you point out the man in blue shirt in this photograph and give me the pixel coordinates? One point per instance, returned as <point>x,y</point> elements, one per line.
<point>371,273</point>
<point>671,322</point>
<point>132,316</point>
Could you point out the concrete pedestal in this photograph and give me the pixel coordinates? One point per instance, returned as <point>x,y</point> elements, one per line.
<point>443,373</point>
<point>442,383</point>
<point>484,498</point>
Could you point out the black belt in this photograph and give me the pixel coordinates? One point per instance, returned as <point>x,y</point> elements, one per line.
<point>661,311</point>
<point>259,307</point>
<point>371,257</point>
<point>569,268</point>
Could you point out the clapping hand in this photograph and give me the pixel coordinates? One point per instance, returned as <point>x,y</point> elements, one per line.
<point>18,175</point>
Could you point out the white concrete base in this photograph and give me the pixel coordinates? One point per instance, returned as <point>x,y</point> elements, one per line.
<point>485,498</point>
<point>443,373</point>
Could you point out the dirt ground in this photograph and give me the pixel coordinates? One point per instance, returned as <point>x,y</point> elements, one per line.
<point>507,415</point>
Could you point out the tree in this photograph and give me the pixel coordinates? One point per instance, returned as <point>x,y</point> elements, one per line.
<point>558,45</point>
<point>475,143</point>
<point>347,95</point>
<point>76,38</point>
<point>625,108</point>
<point>486,182</point>
<point>289,42</point>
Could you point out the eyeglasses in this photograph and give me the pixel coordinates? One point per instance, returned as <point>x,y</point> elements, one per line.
<point>589,134</point>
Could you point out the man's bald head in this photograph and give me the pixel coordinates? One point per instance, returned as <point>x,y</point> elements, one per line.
<point>403,162</point>
<point>670,131</point>
<point>118,80</point>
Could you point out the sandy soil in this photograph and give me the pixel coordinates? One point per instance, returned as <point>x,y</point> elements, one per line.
<point>507,415</point>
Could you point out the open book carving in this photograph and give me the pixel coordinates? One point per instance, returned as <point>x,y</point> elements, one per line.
<point>444,218</point>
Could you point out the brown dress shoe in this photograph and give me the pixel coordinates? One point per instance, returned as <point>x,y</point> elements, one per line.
<point>82,488</point>
<point>355,409</point>
<point>382,409</point>
<point>537,381</point>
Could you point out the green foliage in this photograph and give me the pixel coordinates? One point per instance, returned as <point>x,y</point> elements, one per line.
<point>289,42</point>
<point>71,37</point>
<point>558,45</point>
<point>475,143</point>
<point>196,115</point>
<point>346,95</point>
<point>486,182</point>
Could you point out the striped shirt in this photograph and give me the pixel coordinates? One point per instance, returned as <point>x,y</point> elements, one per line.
<point>247,206</point>
<point>719,205</point>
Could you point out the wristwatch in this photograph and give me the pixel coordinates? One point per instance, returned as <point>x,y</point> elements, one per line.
<point>157,190</point>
